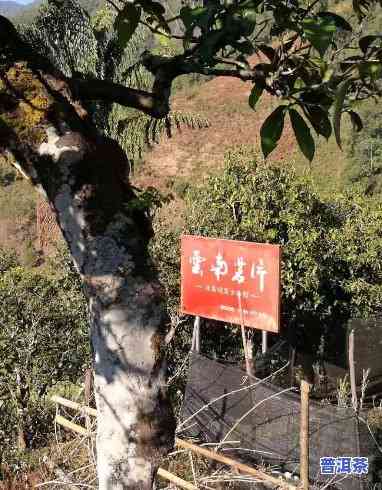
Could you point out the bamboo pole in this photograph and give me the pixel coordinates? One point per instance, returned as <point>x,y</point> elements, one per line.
<point>175,479</point>
<point>74,405</point>
<point>59,419</point>
<point>266,479</point>
<point>304,435</point>
<point>161,472</point>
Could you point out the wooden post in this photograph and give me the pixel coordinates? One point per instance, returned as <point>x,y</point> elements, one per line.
<point>292,360</point>
<point>353,386</point>
<point>88,389</point>
<point>304,435</point>
<point>88,386</point>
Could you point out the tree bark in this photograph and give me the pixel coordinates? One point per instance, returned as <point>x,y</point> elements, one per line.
<point>84,176</point>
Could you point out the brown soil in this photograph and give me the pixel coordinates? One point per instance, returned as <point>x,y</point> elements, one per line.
<point>193,152</point>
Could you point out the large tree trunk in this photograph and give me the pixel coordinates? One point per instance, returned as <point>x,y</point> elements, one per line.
<point>108,243</point>
<point>84,177</point>
<point>135,427</point>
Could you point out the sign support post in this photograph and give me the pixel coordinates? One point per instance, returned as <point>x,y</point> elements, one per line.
<point>232,281</point>
<point>264,344</point>
<point>195,345</point>
<point>247,355</point>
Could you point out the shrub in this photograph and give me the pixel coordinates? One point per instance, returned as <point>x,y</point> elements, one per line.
<point>331,249</point>
<point>43,341</point>
<point>365,154</point>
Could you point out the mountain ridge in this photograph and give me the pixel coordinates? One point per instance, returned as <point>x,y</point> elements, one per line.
<point>13,8</point>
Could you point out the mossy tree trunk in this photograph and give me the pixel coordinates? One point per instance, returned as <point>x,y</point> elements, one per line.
<point>83,175</point>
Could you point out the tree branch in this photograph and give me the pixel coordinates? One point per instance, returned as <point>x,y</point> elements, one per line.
<point>164,69</point>
<point>95,89</point>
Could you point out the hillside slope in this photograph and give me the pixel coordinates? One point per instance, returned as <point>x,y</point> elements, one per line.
<point>9,8</point>
<point>191,153</point>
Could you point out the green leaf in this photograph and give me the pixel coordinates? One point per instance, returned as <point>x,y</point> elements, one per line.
<point>338,21</point>
<point>356,120</point>
<point>338,106</point>
<point>195,16</point>
<point>248,21</point>
<point>361,7</point>
<point>372,69</point>
<point>211,44</point>
<point>299,84</point>
<point>153,8</point>
<point>249,15</point>
<point>269,52</point>
<point>271,130</point>
<point>303,136</point>
<point>319,119</point>
<point>245,47</point>
<point>126,23</point>
<point>255,96</point>
<point>251,3</point>
<point>367,41</point>
<point>319,32</point>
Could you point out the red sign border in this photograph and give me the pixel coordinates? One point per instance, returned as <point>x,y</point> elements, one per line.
<point>243,243</point>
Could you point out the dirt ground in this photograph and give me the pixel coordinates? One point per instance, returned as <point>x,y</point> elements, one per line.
<point>193,152</point>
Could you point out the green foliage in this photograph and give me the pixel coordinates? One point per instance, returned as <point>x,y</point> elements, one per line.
<point>140,131</point>
<point>338,107</point>
<point>365,151</point>
<point>43,340</point>
<point>325,62</point>
<point>272,129</point>
<point>331,270</point>
<point>126,23</point>
<point>255,95</point>
<point>319,32</point>
<point>7,174</point>
<point>65,37</point>
<point>302,133</point>
<point>8,260</point>
<point>108,46</point>
<point>17,200</point>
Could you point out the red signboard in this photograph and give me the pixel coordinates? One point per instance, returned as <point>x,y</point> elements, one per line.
<point>228,280</point>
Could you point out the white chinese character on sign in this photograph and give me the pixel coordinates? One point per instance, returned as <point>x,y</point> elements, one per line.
<point>221,268</point>
<point>238,276</point>
<point>259,270</point>
<point>196,261</point>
